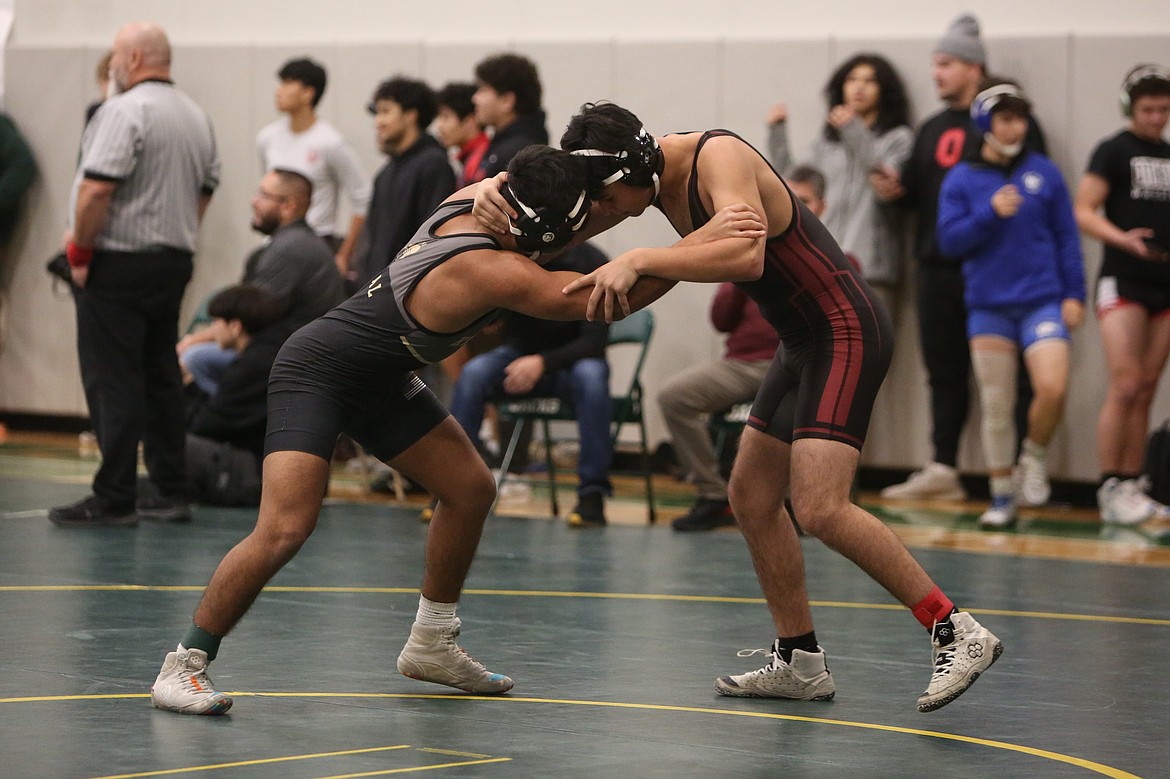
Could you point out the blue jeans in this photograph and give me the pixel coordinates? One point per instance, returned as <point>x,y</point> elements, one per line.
<point>206,362</point>
<point>585,384</point>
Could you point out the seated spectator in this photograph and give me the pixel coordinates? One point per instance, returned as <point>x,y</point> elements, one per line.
<point>545,358</point>
<point>225,431</point>
<point>296,268</point>
<point>458,130</point>
<point>688,399</point>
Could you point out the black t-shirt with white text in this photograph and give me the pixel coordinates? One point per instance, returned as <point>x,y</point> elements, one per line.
<point>1138,174</point>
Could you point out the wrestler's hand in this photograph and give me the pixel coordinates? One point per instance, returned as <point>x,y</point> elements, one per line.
<point>490,209</point>
<point>521,375</point>
<point>1072,311</point>
<point>80,276</point>
<point>735,221</point>
<point>611,282</point>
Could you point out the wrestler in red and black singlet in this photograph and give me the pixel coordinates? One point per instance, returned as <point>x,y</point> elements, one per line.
<point>837,337</point>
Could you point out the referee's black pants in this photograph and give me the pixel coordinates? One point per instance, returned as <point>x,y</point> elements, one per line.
<point>127,325</point>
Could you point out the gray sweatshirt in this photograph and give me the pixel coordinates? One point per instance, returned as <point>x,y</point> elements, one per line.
<point>867,229</point>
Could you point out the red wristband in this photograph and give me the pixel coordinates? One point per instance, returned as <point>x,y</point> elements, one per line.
<point>78,256</point>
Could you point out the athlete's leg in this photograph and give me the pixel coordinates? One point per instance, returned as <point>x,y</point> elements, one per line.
<point>759,483</point>
<point>1048,367</point>
<point>1135,353</point>
<point>444,462</point>
<point>294,486</point>
<point>822,475</point>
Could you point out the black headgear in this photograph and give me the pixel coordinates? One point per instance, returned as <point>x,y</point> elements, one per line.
<point>544,230</point>
<point>639,165</point>
<point>1136,76</point>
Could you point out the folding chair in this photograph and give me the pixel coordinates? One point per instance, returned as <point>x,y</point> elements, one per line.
<point>627,407</point>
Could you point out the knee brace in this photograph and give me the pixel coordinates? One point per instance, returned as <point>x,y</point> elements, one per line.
<point>996,374</point>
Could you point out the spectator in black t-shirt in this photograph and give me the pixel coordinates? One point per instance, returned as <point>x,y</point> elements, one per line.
<point>1129,180</point>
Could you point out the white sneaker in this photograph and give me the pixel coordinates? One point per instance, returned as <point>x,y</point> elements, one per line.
<point>184,686</point>
<point>1000,514</point>
<point>935,481</point>
<point>431,655</point>
<point>1157,510</point>
<point>1124,502</point>
<point>959,663</point>
<point>1031,475</point>
<point>806,678</point>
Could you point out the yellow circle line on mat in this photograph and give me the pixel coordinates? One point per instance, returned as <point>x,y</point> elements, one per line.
<point>639,596</point>
<point>1088,765</point>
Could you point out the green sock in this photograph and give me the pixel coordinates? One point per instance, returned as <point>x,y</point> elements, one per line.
<point>198,638</point>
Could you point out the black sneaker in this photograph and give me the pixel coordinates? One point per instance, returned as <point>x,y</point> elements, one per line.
<point>590,511</point>
<point>160,508</point>
<point>91,512</point>
<point>706,514</point>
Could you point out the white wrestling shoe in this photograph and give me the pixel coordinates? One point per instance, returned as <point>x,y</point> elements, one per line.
<point>184,686</point>
<point>957,664</point>
<point>431,655</point>
<point>806,678</point>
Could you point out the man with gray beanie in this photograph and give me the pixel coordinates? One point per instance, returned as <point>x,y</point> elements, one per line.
<point>960,66</point>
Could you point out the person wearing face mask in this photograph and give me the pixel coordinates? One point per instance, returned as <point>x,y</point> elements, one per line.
<point>866,129</point>
<point>1007,216</point>
<point>959,65</point>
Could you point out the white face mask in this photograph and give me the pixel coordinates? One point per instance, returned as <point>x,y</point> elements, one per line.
<point>1007,150</point>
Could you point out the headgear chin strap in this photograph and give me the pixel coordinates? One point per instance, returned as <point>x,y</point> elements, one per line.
<point>541,231</point>
<point>639,165</point>
<point>1136,76</point>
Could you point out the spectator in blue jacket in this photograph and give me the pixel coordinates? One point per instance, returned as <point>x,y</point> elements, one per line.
<point>1008,215</point>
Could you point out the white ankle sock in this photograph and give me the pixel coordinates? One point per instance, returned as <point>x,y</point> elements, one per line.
<point>434,614</point>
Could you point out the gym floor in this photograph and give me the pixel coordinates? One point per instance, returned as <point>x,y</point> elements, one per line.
<point>614,637</point>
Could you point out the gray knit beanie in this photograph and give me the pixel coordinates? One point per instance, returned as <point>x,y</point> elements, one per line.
<point>962,41</point>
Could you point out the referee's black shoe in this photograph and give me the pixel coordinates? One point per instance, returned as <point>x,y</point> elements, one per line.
<point>92,511</point>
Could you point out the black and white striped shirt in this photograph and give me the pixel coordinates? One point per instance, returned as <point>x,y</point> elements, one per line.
<point>159,146</point>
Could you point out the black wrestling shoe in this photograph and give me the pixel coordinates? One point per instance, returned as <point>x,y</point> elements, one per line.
<point>91,511</point>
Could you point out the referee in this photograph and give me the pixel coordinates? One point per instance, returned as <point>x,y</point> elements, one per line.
<point>148,168</point>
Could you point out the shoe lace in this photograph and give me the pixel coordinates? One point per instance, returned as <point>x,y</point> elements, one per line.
<point>773,663</point>
<point>449,640</point>
<point>944,660</point>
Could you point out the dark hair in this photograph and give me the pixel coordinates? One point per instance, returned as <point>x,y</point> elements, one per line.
<point>512,73</point>
<point>544,177</point>
<point>308,73</point>
<point>254,308</point>
<point>457,97</point>
<point>605,127</point>
<point>411,94</point>
<point>300,184</point>
<point>893,109</point>
<point>807,174</point>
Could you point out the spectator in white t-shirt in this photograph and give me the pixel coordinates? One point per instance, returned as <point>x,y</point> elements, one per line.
<point>307,144</point>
